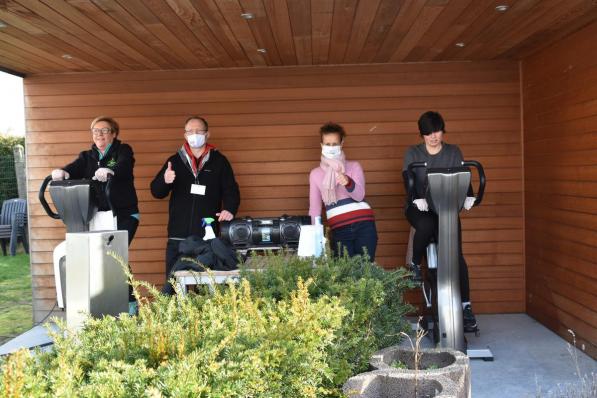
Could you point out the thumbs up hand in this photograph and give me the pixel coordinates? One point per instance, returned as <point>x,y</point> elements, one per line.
<point>169,174</point>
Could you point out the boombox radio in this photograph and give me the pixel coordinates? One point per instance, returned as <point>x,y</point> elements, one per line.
<point>246,233</point>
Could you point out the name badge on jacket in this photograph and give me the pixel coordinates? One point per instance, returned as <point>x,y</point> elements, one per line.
<point>197,189</point>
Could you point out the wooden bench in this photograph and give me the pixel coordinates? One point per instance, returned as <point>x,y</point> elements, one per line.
<point>184,279</point>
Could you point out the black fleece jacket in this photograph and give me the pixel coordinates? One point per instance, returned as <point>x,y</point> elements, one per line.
<point>186,209</point>
<point>120,159</point>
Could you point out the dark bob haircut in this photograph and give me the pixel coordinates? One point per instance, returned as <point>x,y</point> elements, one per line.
<point>430,122</point>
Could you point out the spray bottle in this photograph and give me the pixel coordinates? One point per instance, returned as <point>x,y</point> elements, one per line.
<point>209,231</point>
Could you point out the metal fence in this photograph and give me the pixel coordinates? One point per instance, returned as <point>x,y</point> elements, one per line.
<point>8,178</point>
<point>13,183</point>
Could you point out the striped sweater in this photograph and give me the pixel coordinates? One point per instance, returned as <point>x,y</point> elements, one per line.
<point>350,206</point>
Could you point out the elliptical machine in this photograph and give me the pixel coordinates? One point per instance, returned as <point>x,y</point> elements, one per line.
<point>446,191</point>
<point>87,279</point>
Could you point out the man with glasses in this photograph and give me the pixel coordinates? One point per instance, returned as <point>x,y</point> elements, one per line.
<point>201,184</point>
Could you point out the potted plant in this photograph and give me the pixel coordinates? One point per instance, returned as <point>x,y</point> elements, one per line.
<point>413,372</point>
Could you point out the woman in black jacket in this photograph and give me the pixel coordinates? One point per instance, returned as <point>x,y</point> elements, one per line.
<point>108,156</point>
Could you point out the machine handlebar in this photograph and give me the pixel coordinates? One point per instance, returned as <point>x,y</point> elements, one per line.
<point>107,192</point>
<point>481,190</point>
<point>410,175</point>
<point>465,163</point>
<point>42,198</point>
<point>48,209</point>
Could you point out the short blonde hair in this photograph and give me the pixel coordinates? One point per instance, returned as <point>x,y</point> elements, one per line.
<point>113,124</point>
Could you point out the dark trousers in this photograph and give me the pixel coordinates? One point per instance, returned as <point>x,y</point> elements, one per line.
<point>171,255</point>
<point>130,225</point>
<point>356,239</point>
<point>426,224</point>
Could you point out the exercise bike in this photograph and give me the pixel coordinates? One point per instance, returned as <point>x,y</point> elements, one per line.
<point>88,280</point>
<point>446,191</point>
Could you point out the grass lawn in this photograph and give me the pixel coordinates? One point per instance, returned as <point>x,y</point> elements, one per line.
<point>16,311</point>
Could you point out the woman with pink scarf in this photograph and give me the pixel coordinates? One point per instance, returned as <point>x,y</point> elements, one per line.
<point>340,185</point>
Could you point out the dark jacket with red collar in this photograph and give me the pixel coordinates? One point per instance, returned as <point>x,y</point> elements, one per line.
<point>120,159</point>
<point>187,209</point>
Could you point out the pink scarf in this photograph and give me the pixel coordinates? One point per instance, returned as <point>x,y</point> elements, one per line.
<point>332,169</point>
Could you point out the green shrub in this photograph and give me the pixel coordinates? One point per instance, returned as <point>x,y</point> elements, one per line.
<point>272,336</point>
<point>372,296</point>
<point>8,142</point>
<point>229,344</point>
<point>399,365</point>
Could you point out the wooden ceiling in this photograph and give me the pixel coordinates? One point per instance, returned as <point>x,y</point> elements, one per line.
<point>49,36</point>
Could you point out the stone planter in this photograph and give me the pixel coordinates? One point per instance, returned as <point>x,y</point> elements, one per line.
<point>442,373</point>
<point>389,384</point>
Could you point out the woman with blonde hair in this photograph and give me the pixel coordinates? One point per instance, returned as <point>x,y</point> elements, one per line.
<point>108,157</point>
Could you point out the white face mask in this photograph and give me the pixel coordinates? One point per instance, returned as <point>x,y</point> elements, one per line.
<point>331,152</point>
<point>196,140</point>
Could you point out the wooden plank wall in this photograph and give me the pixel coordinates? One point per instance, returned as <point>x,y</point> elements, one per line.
<point>266,121</point>
<point>560,160</point>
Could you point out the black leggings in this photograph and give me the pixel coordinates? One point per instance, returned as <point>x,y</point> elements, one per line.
<point>129,224</point>
<point>426,226</point>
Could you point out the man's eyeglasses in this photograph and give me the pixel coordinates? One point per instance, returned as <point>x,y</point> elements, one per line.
<point>191,132</point>
<point>104,131</point>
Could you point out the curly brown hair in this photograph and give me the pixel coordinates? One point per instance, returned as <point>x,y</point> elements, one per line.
<point>332,128</point>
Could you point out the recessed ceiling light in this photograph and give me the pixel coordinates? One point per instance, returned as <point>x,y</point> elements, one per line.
<point>247,15</point>
<point>3,25</point>
<point>460,44</point>
<point>67,56</point>
<point>262,50</point>
<point>502,8</point>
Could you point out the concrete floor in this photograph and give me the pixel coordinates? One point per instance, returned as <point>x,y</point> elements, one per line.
<point>530,361</point>
<point>528,358</point>
<point>37,336</point>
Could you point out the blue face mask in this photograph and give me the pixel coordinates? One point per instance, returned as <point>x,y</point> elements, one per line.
<point>196,140</point>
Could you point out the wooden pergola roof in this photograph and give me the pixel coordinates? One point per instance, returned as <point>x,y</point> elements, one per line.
<point>54,36</point>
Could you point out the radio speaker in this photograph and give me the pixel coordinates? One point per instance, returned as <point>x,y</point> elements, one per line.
<point>241,233</point>
<point>248,232</point>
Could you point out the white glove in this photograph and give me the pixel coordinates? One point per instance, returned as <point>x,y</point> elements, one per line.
<point>421,204</point>
<point>469,202</point>
<point>101,174</point>
<point>59,174</point>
